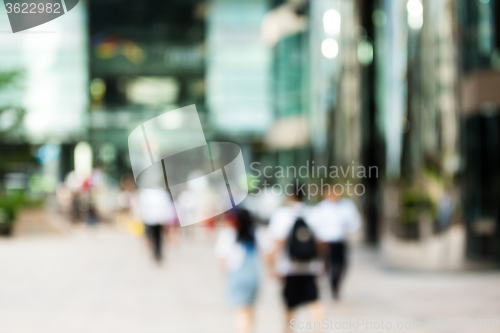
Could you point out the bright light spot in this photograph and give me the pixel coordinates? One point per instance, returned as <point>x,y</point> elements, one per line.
<point>330,48</point>
<point>365,52</point>
<point>331,21</point>
<point>414,7</point>
<point>83,160</point>
<point>97,89</point>
<point>415,14</point>
<point>484,1</point>
<point>415,21</point>
<point>152,91</point>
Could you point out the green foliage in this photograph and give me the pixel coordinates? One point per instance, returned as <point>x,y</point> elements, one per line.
<point>9,207</point>
<point>11,203</point>
<point>11,116</point>
<point>415,203</point>
<point>9,78</point>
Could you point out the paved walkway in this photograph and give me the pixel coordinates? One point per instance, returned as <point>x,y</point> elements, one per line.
<point>102,281</point>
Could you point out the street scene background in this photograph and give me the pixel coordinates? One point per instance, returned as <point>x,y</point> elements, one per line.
<point>395,102</point>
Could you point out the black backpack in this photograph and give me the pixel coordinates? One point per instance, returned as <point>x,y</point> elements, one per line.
<point>301,242</point>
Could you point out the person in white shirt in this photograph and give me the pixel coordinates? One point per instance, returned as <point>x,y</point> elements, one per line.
<point>154,208</point>
<point>238,247</point>
<point>335,218</point>
<point>298,277</point>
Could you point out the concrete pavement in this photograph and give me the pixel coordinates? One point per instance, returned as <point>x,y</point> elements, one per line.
<point>103,281</point>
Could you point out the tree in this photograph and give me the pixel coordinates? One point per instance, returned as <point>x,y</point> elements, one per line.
<point>11,116</point>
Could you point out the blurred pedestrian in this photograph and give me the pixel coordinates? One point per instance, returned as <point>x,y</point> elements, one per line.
<point>76,211</point>
<point>155,208</point>
<point>237,247</point>
<point>295,256</point>
<point>92,214</point>
<point>335,218</point>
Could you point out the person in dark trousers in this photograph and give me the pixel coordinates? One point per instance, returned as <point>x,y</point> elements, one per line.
<point>92,214</point>
<point>335,218</point>
<point>76,207</point>
<point>155,209</point>
<point>337,262</point>
<point>154,233</point>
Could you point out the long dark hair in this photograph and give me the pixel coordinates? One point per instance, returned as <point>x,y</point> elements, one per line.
<point>244,226</point>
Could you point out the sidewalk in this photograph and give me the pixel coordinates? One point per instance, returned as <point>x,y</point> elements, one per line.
<point>103,281</point>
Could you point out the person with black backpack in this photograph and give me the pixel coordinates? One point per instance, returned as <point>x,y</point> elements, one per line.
<point>295,257</point>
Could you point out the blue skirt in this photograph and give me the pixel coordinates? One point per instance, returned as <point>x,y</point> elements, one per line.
<point>244,282</point>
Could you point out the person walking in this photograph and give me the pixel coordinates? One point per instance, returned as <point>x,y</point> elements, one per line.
<point>237,248</point>
<point>295,257</point>
<point>335,218</point>
<point>155,208</point>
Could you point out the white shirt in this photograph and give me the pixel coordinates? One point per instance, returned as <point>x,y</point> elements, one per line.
<point>155,207</point>
<point>335,220</point>
<point>228,248</point>
<point>280,227</point>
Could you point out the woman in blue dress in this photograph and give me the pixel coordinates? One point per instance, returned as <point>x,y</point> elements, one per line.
<point>237,250</point>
